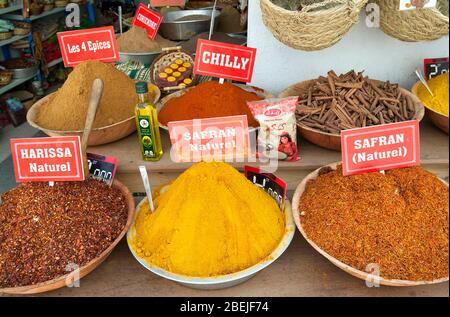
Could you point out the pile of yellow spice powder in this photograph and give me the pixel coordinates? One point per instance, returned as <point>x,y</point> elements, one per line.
<point>211,221</point>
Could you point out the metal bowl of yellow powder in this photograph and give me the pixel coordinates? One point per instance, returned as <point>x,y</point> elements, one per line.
<point>199,252</point>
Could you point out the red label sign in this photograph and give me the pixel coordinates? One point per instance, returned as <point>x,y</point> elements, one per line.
<point>47,159</point>
<point>273,185</point>
<point>97,44</point>
<point>380,147</point>
<point>147,19</point>
<point>167,3</point>
<point>433,67</point>
<point>223,60</point>
<point>219,138</point>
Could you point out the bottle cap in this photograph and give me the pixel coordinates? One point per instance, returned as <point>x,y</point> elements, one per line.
<point>141,87</point>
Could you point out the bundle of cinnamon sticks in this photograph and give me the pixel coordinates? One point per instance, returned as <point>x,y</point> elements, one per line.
<point>336,103</point>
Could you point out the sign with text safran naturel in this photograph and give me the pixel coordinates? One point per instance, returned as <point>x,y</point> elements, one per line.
<point>221,138</point>
<point>91,44</point>
<point>381,147</point>
<point>47,159</point>
<point>224,60</point>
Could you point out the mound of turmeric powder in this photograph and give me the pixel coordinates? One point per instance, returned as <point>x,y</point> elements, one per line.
<point>211,221</point>
<point>66,110</point>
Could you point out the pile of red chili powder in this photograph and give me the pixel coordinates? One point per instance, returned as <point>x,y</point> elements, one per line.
<point>46,230</point>
<point>398,221</point>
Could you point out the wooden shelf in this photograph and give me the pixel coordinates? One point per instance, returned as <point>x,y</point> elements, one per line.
<point>19,17</point>
<point>10,9</point>
<point>14,83</point>
<point>434,156</point>
<point>12,39</point>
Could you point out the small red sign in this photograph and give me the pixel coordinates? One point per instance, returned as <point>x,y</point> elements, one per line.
<point>273,185</point>
<point>220,138</point>
<point>167,3</point>
<point>47,159</point>
<point>91,44</point>
<point>223,60</point>
<point>102,167</point>
<point>381,147</point>
<point>433,67</point>
<point>147,19</point>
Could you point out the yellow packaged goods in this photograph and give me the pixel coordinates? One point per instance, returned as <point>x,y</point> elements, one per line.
<point>211,221</point>
<point>439,87</point>
<point>135,40</point>
<point>66,109</point>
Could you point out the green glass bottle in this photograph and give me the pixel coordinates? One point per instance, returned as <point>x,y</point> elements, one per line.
<point>147,125</point>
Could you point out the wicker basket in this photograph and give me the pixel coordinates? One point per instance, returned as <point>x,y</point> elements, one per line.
<point>411,25</point>
<point>312,28</point>
<point>166,58</point>
<point>5,35</point>
<point>5,77</point>
<point>21,31</point>
<point>61,3</point>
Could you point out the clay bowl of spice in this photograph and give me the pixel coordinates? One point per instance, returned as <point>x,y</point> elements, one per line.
<point>47,237</point>
<point>208,100</point>
<point>435,106</point>
<point>328,105</point>
<point>98,136</point>
<point>192,244</point>
<point>387,223</point>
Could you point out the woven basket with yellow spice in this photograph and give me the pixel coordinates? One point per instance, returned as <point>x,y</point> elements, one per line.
<point>313,26</point>
<point>415,25</point>
<point>173,70</point>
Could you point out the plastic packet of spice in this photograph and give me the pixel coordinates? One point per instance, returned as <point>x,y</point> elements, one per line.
<point>277,137</point>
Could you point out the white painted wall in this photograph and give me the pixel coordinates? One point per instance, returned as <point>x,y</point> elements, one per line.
<point>381,56</point>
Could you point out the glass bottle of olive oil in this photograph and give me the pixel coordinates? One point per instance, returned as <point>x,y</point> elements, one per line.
<point>147,126</point>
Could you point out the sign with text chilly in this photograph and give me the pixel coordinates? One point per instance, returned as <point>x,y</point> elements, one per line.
<point>223,60</point>
<point>381,147</point>
<point>91,44</point>
<point>47,159</point>
<point>147,19</point>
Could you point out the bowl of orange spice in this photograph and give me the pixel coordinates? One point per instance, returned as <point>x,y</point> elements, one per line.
<point>208,100</point>
<point>385,228</point>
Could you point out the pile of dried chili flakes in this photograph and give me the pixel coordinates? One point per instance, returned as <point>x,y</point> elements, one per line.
<point>47,231</point>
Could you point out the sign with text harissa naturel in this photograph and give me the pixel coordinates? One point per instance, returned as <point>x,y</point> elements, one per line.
<point>47,159</point>
<point>91,44</point>
<point>147,19</point>
<point>213,138</point>
<point>381,147</point>
<point>224,60</point>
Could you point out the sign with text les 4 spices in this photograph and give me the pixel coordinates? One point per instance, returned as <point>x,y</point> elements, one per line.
<point>102,167</point>
<point>167,3</point>
<point>91,44</point>
<point>221,138</point>
<point>47,159</point>
<point>381,147</point>
<point>223,60</point>
<point>147,19</point>
<point>274,186</point>
<point>435,66</point>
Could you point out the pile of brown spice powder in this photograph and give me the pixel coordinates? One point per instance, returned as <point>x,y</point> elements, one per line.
<point>136,40</point>
<point>66,110</point>
<point>398,221</point>
<point>45,231</point>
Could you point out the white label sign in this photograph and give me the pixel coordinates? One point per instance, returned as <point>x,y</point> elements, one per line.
<point>417,4</point>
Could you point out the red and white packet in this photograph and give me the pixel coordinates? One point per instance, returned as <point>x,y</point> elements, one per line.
<point>277,137</point>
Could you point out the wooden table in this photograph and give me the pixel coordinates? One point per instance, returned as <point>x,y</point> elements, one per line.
<point>300,271</point>
<point>434,157</point>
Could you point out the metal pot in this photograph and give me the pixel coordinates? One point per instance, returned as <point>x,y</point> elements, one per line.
<point>184,30</point>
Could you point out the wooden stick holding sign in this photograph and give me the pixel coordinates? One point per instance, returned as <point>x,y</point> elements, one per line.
<point>96,94</point>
